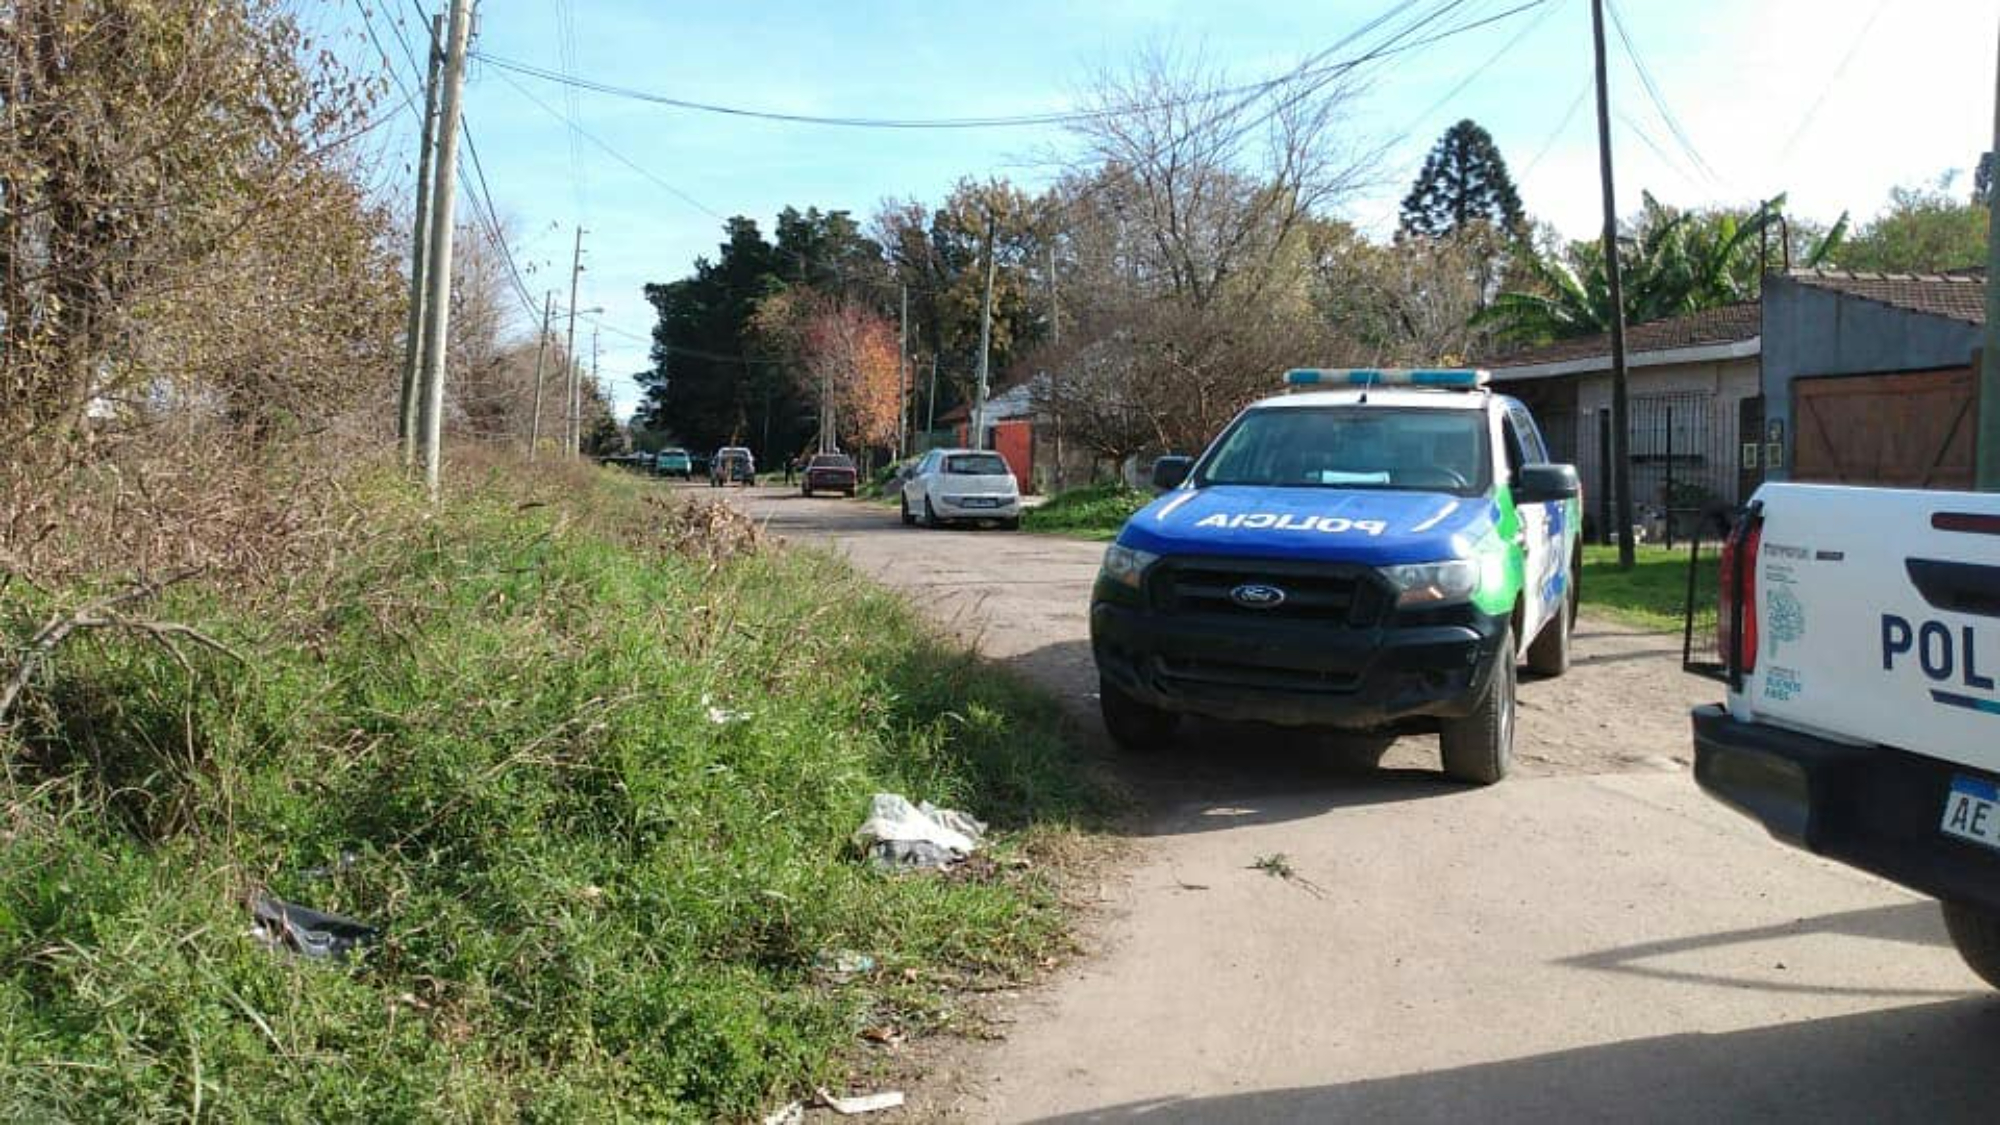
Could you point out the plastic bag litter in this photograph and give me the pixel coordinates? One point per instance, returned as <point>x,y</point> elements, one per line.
<point>899,835</point>
<point>308,932</point>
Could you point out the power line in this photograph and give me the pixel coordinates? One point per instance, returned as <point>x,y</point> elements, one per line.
<point>1478,71</point>
<point>1569,115</point>
<point>1068,117</point>
<point>1658,99</point>
<point>1833,80</point>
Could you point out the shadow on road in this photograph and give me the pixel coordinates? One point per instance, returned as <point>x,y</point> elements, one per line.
<point>1924,1063</point>
<point>1911,923</point>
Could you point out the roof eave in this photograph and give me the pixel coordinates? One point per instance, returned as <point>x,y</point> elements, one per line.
<point>1591,364</point>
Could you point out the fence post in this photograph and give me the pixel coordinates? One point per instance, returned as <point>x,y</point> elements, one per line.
<point>1605,534</point>
<point>1667,499</point>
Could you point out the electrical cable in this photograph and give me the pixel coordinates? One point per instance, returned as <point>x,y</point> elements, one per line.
<point>1833,80</point>
<point>1068,117</point>
<point>1658,99</point>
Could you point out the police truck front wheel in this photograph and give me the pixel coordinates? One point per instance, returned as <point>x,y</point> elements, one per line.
<point>1975,933</point>
<point>1134,726</point>
<point>1549,655</point>
<point>1479,748</point>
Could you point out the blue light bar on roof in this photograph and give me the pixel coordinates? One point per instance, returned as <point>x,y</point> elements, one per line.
<point>1460,378</point>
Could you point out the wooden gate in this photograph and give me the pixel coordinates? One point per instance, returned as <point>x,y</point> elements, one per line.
<point>1909,430</point>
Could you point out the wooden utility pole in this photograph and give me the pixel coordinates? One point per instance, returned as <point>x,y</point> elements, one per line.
<point>985,343</point>
<point>903,395</point>
<point>569,352</point>
<point>1055,309</point>
<point>1621,407</point>
<point>1986,443</point>
<point>413,332</point>
<point>930,401</point>
<point>437,302</point>
<point>541,353</point>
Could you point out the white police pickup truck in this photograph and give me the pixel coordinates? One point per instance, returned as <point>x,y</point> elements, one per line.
<point>1860,636</point>
<point>1375,551</point>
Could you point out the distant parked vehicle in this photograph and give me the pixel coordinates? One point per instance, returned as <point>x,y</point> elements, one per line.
<point>961,485</point>
<point>830,472</point>
<point>673,463</point>
<point>732,464</point>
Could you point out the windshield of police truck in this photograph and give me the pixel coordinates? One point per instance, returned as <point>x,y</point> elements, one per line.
<point>1353,447</point>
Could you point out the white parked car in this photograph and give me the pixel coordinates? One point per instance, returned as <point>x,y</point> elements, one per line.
<point>961,484</point>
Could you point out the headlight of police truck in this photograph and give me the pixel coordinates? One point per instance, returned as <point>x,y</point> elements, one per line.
<point>1439,583</point>
<point>1126,565</point>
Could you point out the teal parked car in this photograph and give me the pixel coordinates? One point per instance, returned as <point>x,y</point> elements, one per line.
<point>673,463</point>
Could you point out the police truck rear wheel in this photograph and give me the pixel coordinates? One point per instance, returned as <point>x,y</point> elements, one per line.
<point>1479,748</point>
<point>1976,935</point>
<point>1549,655</point>
<point>1134,726</point>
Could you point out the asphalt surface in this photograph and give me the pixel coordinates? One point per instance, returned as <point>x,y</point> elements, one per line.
<point>1590,940</point>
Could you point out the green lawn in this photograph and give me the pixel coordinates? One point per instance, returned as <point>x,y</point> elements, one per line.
<point>1653,593</point>
<point>596,780</point>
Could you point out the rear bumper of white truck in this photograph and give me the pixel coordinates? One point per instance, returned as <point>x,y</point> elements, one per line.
<point>1870,807</point>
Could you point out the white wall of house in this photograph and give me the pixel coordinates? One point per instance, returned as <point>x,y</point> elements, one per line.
<point>1714,438</point>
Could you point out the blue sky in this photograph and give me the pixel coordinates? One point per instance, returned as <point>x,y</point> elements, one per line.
<point>1835,101</point>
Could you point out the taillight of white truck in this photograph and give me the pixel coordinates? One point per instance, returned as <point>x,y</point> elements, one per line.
<point>1736,621</point>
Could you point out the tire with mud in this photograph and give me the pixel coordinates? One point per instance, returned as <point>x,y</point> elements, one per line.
<point>1975,933</point>
<point>1136,727</point>
<point>1479,748</point>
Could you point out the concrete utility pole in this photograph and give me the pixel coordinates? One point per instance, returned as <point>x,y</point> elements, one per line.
<point>1621,407</point>
<point>569,352</point>
<point>541,353</point>
<point>985,343</point>
<point>413,332</point>
<point>1986,443</point>
<point>437,302</point>
<point>903,395</point>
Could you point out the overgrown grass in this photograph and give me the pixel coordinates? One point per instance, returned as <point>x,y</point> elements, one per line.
<point>598,901</point>
<point>1653,594</point>
<point>1093,512</point>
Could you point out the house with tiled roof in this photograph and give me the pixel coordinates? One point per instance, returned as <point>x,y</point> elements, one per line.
<point>1871,378</point>
<point>1688,379</point>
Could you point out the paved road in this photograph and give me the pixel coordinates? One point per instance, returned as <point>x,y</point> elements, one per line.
<point>1592,940</point>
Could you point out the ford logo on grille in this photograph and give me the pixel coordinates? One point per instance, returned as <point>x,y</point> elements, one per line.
<point>1252,595</point>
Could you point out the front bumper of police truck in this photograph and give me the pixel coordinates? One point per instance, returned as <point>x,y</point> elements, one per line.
<point>1190,636</point>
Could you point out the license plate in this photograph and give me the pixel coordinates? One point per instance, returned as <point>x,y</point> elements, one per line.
<point>981,502</point>
<point>1972,811</point>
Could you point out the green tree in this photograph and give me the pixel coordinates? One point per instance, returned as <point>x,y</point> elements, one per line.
<point>1671,262</point>
<point>1464,180</point>
<point>1982,179</point>
<point>1924,230</point>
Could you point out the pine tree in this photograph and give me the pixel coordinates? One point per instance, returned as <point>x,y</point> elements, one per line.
<point>1982,178</point>
<point>1464,180</point>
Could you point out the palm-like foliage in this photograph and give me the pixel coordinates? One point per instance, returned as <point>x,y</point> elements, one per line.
<point>1672,262</point>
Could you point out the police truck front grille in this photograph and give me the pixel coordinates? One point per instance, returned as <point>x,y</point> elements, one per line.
<point>1342,595</point>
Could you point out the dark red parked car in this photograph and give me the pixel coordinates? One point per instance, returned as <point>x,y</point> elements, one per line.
<point>830,472</point>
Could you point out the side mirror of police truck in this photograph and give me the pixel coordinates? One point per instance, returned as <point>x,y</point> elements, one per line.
<point>1169,472</point>
<point>1540,484</point>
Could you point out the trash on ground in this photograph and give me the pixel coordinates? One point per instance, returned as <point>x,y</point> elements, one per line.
<point>887,1035</point>
<point>308,932</point>
<point>865,1103</point>
<point>793,1114</point>
<point>722,716</point>
<point>899,835</point>
<point>842,963</point>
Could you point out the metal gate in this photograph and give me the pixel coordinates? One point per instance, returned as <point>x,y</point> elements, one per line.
<point>1684,465</point>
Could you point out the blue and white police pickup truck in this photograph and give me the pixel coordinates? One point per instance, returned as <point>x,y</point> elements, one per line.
<point>1374,551</point>
<point>1860,637</point>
